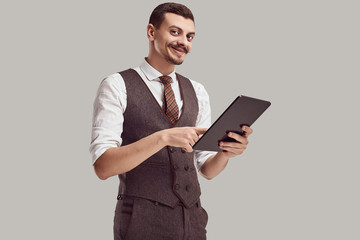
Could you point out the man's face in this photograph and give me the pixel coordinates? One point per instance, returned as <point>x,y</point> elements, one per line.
<point>172,41</point>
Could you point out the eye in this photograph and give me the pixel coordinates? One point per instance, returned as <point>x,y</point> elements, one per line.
<point>174,32</point>
<point>190,37</point>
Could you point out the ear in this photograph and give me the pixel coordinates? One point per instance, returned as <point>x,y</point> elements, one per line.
<point>150,30</point>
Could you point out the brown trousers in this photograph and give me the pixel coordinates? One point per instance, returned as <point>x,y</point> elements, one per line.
<point>142,219</point>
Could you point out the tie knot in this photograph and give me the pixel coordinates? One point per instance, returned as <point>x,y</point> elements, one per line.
<point>166,79</point>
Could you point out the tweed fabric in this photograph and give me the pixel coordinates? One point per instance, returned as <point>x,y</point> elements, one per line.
<point>141,219</point>
<point>159,199</point>
<point>169,176</point>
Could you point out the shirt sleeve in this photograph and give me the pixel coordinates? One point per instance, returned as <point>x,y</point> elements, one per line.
<point>107,125</point>
<point>203,121</point>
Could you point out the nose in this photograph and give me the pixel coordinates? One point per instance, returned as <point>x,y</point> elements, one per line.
<point>182,40</point>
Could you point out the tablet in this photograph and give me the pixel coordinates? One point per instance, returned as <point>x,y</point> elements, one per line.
<point>242,111</point>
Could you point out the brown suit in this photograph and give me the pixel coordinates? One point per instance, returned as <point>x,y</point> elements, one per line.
<point>159,199</point>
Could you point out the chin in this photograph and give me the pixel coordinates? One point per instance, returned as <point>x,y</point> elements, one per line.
<point>175,61</point>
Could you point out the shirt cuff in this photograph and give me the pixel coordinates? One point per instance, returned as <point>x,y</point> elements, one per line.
<point>201,157</point>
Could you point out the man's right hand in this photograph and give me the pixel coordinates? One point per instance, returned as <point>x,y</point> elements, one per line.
<point>184,137</point>
<point>118,160</point>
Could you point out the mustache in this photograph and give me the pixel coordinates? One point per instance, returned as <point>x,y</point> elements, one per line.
<point>179,46</point>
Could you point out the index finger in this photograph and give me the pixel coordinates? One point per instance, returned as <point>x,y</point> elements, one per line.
<point>200,131</point>
<point>247,130</point>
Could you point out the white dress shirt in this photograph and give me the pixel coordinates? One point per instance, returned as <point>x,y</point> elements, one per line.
<point>111,101</point>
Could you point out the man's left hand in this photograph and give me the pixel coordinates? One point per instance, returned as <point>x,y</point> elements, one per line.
<point>236,148</point>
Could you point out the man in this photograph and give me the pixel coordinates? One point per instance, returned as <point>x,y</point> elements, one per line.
<point>146,121</point>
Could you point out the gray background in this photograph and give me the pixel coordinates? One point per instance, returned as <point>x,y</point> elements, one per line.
<point>297,180</point>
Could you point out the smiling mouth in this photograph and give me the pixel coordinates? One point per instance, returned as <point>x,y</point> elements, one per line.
<point>179,50</point>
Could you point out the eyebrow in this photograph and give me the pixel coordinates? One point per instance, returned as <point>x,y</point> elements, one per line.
<point>174,26</point>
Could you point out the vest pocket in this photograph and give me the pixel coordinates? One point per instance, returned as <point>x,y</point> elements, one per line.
<point>154,164</point>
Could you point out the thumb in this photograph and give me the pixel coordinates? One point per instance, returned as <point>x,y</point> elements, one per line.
<point>201,131</point>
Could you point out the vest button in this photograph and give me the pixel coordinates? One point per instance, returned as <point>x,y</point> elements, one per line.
<point>177,186</point>
<point>187,188</point>
<point>172,150</point>
<point>156,203</point>
<point>186,168</point>
<point>176,167</point>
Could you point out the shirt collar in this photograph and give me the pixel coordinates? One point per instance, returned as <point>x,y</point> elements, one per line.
<point>152,74</point>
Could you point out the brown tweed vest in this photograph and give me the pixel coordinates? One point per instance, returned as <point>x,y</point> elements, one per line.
<point>169,176</point>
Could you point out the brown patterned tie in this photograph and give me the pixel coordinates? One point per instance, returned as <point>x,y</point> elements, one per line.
<point>170,107</point>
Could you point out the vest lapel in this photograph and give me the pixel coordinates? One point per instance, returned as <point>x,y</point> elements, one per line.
<point>156,102</point>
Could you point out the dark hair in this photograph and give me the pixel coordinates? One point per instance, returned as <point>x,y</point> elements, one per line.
<point>157,16</point>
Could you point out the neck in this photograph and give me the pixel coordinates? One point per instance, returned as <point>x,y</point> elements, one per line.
<point>160,64</point>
